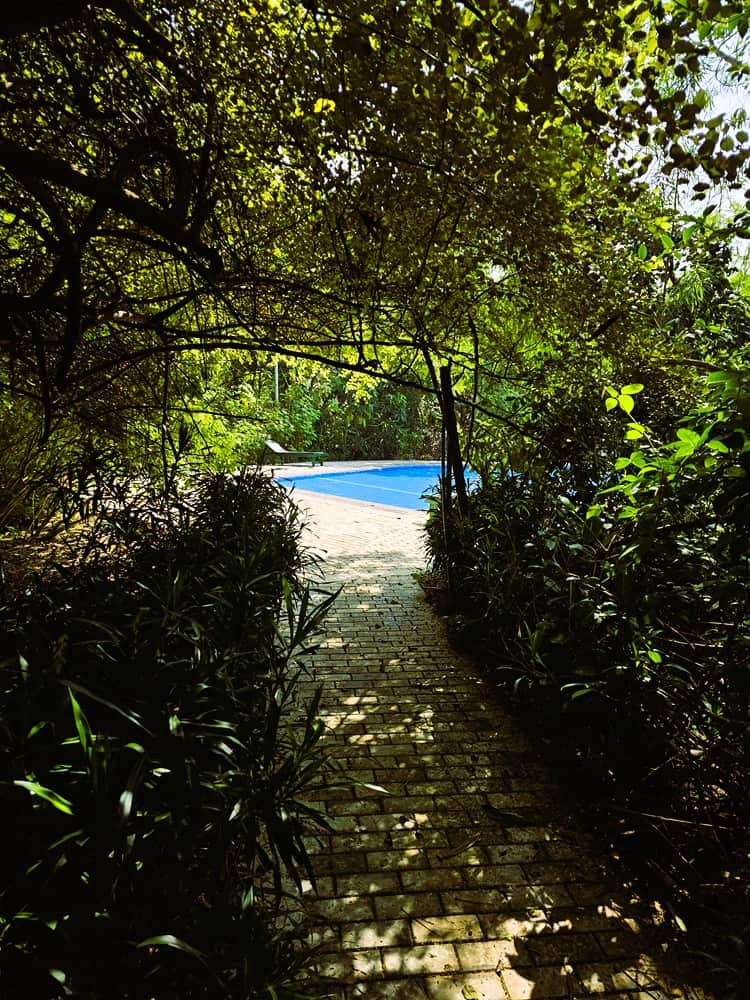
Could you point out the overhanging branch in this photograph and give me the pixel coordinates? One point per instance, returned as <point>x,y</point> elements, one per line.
<point>23,162</point>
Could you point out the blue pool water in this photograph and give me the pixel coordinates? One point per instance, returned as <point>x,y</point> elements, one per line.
<point>396,485</point>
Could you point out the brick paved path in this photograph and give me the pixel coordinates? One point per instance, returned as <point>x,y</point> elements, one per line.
<point>429,892</point>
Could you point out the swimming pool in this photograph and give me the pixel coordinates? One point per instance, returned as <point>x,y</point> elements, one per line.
<point>394,485</point>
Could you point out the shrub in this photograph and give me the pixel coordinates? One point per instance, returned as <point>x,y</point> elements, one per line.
<point>156,787</point>
<point>624,611</point>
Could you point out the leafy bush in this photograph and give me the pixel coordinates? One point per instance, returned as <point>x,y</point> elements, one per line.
<point>626,601</point>
<point>156,787</point>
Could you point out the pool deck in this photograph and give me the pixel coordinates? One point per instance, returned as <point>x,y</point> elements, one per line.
<point>472,875</point>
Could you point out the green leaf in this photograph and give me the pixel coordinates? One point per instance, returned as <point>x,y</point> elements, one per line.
<point>594,511</point>
<point>642,251</point>
<point>610,403</point>
<point>626,404</point>
<point>688,436</point>
<point>82,725</point>
<point>130,716</point>
<point>666,241</point>
<point>581,692</point>
<point>632,388</point>
<point>687,233</point>
<point>170,941</point>
<point>46,793</point>
<point>716,445</point>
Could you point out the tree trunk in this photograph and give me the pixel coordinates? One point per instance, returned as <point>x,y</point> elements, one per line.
<point>453,446</point>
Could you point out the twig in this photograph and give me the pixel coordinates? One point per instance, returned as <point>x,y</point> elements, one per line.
<point>668,819</point>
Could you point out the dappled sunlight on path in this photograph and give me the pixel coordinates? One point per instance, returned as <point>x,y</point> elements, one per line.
<point>469,878</point>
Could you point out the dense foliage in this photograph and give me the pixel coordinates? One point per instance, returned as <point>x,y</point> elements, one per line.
<point>155,786</point>
<point>612,595</point>
<point>377,189</point>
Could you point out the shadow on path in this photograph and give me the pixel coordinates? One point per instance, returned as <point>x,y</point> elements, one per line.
<point>469,879</point>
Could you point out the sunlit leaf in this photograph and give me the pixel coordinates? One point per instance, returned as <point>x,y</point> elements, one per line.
<point>82,725</point>
<point>716,445</point>
<point>46,793</point>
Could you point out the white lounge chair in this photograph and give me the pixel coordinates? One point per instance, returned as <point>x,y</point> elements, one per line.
<point>284,455</point>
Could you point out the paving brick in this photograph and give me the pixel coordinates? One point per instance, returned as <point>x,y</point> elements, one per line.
<point>343,909</point>
<point>463,927</point>
<point>408,857</point>
<point>454,986</point>
<point>507,854</point>
<point>394,822</point>
<point>533,983</point>
<point>419,904</point>
<point>367,885</point>
<point>419,838</point>
<point>358,841</point>
<point>344,966</point>
<point>381,934</point>
<point>495,875</point>
<point>411,803</point>
<point>346,863</point>
<point>435,881</point>
<point>398,989</point>
<point>476,956</point>
<point>420,960</point>
<point>464,900</point>
<point>586,918</point>
<point>473,855</point>
<point>560,948</point>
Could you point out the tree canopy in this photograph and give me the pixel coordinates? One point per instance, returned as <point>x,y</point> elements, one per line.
<point>344,182</point>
